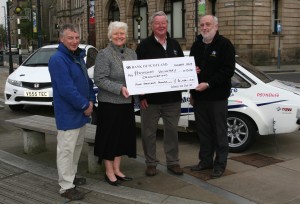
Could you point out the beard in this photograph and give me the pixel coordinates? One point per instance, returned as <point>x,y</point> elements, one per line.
<point>208,36</point>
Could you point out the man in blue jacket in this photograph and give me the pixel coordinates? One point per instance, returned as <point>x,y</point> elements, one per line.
<point>215,60</point>
<point>73,99</point>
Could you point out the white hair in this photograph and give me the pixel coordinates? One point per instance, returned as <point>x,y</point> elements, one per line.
<point>116,25</point>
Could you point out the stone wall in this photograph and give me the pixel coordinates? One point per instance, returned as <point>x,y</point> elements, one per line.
<point>247,23</point>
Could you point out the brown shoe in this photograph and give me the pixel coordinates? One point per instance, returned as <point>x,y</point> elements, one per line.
<point>72,194</point>
<point>175,169</point>
<point>151,170</point>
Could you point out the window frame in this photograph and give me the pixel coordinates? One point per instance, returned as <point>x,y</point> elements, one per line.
<point>137,7</point>
<point>275,16</point>
<point>213,7</point>
<point>168,9</point>
<point>113,9</point>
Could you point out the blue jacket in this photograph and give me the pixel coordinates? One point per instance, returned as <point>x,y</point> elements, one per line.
<point>72,88</point>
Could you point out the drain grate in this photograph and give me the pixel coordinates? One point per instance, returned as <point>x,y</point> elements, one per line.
<point>205,174</point>
<point>256,160</point>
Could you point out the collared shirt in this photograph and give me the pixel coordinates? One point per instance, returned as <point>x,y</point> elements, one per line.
<point>165,43</point>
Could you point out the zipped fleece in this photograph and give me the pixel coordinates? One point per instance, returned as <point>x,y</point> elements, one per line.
<point>217,64</point>
<point>151,49</point>
<point>72,88</point>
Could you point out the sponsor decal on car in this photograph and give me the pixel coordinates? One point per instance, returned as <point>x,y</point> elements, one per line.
<point>285,110</point>
<point>233,91</point>
<point>267,94</point>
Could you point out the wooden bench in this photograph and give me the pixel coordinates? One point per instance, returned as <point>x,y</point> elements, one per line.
<point>36,127</point>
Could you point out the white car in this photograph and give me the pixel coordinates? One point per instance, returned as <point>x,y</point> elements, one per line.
<point>30,83</point>
<point>258,104</point>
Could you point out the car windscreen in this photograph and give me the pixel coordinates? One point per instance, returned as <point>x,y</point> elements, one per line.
<point>41,57</point>
<point>250,68</point>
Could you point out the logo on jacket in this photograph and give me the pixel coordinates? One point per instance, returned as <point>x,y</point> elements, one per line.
<point>175,52</point>
<point>213,54</point>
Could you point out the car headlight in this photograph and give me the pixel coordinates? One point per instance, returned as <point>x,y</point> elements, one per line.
<point>14,82</point>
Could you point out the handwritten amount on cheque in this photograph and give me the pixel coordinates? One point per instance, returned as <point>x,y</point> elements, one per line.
<point>177,83</point>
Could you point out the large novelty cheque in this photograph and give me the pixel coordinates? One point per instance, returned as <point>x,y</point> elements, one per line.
<point>160,75</point>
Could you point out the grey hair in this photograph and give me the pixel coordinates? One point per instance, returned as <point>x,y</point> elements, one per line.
<point>216,21</point>
<point>158,13</point>
<point>68,26</point>
<point>116,25</point>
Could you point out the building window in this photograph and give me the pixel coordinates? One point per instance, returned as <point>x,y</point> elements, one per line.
<point>213,7</point>
<point>61,5</point>
<point>175,12</point>
<point>64,5</point>
<point>140,8</point>
<point>114,12</point>
<point>275,16</point>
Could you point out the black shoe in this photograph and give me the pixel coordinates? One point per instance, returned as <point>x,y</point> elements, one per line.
<point>79,181</point>
<point>200,167</point>
<point>73,194</point>
<point>113,183</point>
<point>217,173</point>
<point>125,178</point>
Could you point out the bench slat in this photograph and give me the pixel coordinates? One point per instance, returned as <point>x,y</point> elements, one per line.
<point>36,123</point>
<point>47,125</point>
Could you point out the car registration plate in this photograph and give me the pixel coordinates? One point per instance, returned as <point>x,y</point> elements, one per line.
<point>36,93</point>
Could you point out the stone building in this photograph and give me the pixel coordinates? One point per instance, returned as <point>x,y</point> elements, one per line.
<point>260,29</point>
<point>69,11</point>
<point>29,14</point>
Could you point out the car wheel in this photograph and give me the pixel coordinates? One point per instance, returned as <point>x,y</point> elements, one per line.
<point>16,107</point>
<point>241,132</point>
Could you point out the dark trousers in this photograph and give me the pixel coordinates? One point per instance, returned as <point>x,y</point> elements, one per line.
<point>211,123</point>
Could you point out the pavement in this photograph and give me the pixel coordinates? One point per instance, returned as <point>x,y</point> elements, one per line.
<point>273,178</point>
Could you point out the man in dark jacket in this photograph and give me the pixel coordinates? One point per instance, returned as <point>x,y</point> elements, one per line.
<point>73,99</point>
<point>156,105</point>
<point>215,61</point>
